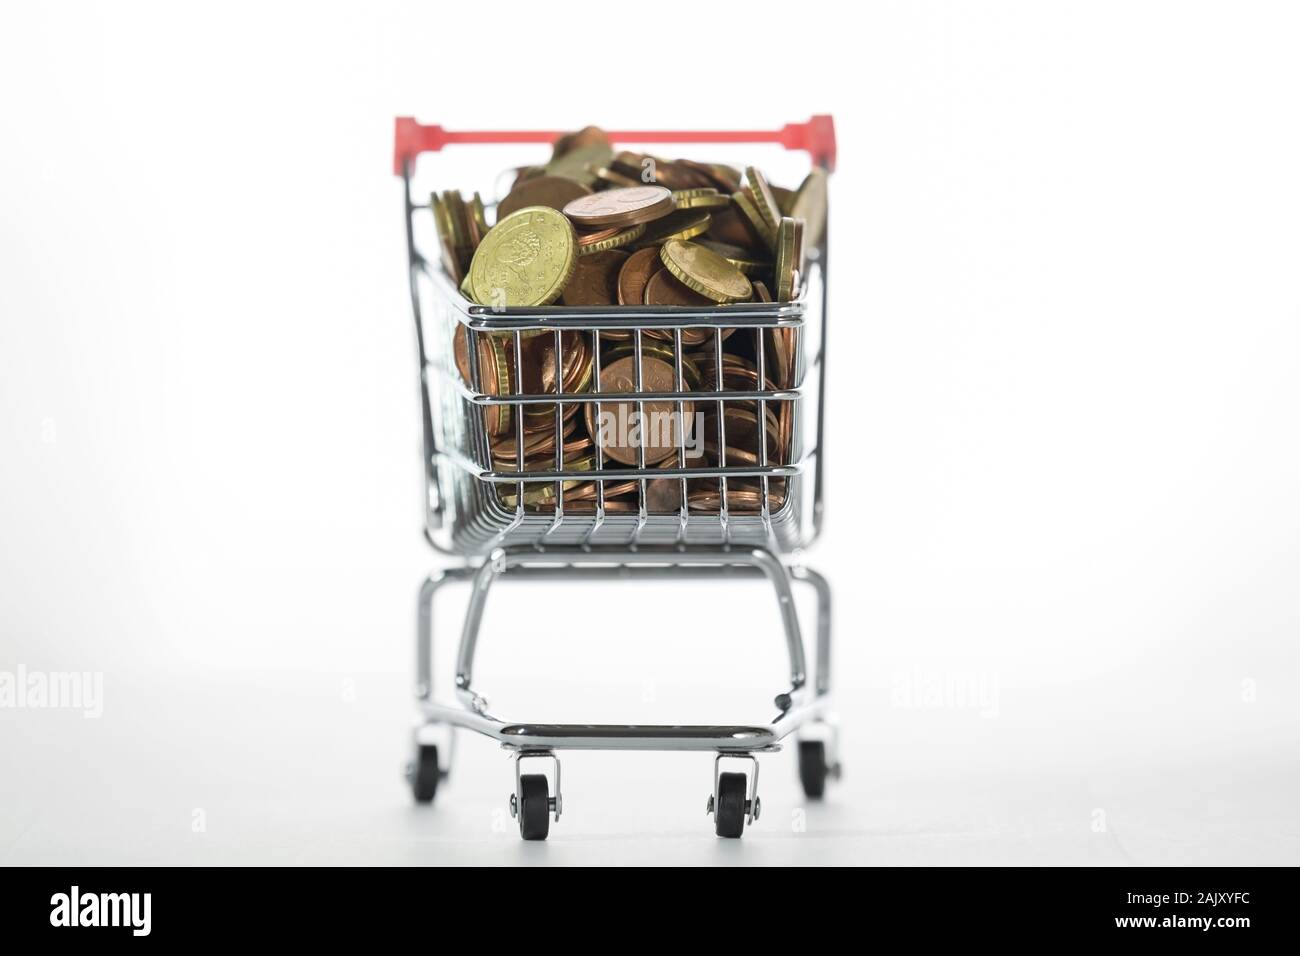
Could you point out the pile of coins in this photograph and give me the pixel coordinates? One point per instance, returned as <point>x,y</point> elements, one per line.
<point>596,227</point>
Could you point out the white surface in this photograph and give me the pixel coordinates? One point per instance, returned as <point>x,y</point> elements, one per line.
<point>1065,246</point>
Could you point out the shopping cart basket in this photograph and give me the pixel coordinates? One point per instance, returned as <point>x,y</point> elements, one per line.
<point>524,523</point>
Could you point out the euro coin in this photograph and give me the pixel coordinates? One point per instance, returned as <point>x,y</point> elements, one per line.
<point>627,206</point>
<point>634,275</point>
<point>552,191</point>
<point>704,271</point>
<point>763,198</point>
<point>525,260</point>
<point>614,238</point>
<point>621,429</point>
<point>681,224</point>
<point>786,259</point>
<point>494,374</point>
<point>810,206</point>
<point>701,198</point>
<point>595,280</point>
<point>754,219</point>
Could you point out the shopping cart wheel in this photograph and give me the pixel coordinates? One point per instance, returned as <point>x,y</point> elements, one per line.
<point>813,769</point>
<point>729,811</point>
<point>534,807</point>
<point>424,773</point>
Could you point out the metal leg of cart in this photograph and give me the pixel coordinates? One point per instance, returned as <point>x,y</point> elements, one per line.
<point>536,801</point>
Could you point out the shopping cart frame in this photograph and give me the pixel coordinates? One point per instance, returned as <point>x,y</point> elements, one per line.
<point>801,707</point>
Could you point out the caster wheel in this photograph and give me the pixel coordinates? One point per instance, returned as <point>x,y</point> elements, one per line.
<point>425,773</point>
<point>729,811</point>
<point>813,769</point>
<point>534,807</point>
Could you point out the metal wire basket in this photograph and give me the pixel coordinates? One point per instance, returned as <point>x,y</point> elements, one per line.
<point>733,504</point>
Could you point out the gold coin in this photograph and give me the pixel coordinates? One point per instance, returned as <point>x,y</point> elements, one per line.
<point>446,239</point>
<point>702,198</point>
<point>478,216</point>
<point>800,254</point>
<point>682,224</point>
<point>704,271</point>
<point>552,191</point>
<point>786,260</point>
<point>618,239</point>
<point>737,256</point>
<point>752,218</point>
<point>525,260</point>
<point>810,206</point>
<point>577,164</point>
<point>458,217</point>
<point>543,492</point>
<point>620,207</point>
<point>763,198</point>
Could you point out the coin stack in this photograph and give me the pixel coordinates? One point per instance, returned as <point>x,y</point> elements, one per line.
<point>596,227</point>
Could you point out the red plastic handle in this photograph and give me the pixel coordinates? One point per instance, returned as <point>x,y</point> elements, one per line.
<point>816,137</point>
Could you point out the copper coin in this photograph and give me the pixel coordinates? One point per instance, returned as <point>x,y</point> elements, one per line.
<point>595,280</point>
<point>629,164</point>
<point>676,175</point>
<point>615,178</point>
<point>597,235</point>
<point>552,191</point>
<point>494,374</point>
<point>539,448</point>
<point>722,178</point>
<point>742,497</point>
<point>587,136</point>
<point>539,374</point>
<point>664,289</point>
<point>613,489</point>
<point>627,206</point>
<point>622,428</point>
<point>731,227</point>
<point>613,506</point>
<point>742,435</point>
<point>614,237</point>
<point>635,274</point>
<point>661,350</point>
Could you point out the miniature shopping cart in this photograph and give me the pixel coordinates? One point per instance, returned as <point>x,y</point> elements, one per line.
<point>478,512</point>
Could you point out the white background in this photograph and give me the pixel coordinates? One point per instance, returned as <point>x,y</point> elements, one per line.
<point>1062,435</point>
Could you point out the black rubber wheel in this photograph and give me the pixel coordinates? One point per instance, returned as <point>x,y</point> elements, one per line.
<point>729,809</point>
<point>424,775</point>
<point>534,807</point>
<point>813,769</point>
